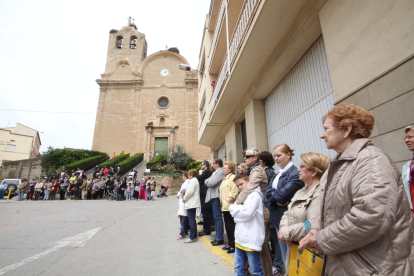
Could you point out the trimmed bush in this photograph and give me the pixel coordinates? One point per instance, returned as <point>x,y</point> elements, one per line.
<point>193,165</point>
<point>130,162</point>
<point>159,159</point>
<point>198,168</point>
<point>114,161</point>
<point>57,159</point>
<point>85,164</point>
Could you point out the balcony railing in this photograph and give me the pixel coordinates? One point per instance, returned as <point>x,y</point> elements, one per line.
<point>243,24</point>
<point>217,30</point>
<point>220,84</point>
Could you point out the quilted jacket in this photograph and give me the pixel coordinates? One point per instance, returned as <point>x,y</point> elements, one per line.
<point>366,223</point>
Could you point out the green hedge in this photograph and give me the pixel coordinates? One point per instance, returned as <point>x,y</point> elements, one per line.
<point>130,162</point>
<point>159,159</point>
<point>85,164</point>
<point>114,161</point>
<point>193,165</point>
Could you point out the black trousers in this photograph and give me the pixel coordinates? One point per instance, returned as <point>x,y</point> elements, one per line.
<point>207,214</point>
<point>62,194</point>
<point>101,193</point>
<point>230,225</point>
<point>121,193</point>
<point>88,194</point>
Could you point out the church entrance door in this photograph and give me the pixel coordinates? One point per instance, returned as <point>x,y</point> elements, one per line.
<point>160,145</point>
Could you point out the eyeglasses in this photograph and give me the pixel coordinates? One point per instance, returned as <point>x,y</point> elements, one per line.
<point>249,156</point>
<point>408,137</point>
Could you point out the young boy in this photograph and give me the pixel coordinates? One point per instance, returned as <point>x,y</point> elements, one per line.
<point>250,232</point>
<point>116,192</point>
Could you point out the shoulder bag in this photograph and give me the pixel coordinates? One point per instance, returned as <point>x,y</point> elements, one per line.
<point>304,262</point>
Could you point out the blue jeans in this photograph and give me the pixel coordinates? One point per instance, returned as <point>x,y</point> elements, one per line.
<point>193,225</point>
<point>277,261</point>
<point>128,196</point>
<point>46,197</point>
<point>2,192</point>
<point>254,262</point>
<point>218,218</point>
<point>115,196</point>
<point>183,229</point>
<point>280,249</point>
<point>21,195</point>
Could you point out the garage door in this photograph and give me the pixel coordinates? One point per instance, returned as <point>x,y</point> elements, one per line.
<point>294,109</point>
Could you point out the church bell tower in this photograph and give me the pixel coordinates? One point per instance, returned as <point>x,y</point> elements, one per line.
<point>126,44</point>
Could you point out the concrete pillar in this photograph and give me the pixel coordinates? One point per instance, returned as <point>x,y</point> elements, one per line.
<point>256,125</point>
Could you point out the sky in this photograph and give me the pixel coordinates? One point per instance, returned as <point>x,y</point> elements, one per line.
<point>51,53</point>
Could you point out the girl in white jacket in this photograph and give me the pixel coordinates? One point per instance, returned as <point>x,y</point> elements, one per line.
<point>182,212</point>
<point>192,202</point>
<point>250,232</point>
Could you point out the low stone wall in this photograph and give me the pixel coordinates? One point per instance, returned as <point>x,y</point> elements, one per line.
<point>26,168</point>
<point>174,184</point>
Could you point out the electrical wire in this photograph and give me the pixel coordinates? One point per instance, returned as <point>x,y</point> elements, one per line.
<point>84,113</point>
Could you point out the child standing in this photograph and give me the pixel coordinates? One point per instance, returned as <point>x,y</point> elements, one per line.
<point>136,194</point>
<point>250,232</point>
<point>154,184</point>
<point>116,192</point>
<point>128,190</point>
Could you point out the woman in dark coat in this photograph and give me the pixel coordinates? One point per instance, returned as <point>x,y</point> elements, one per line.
<point>279,193</point>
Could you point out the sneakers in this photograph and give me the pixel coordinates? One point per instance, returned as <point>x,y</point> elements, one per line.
<point>191,241</point>
<point>276,272</point>
<point>180,237</point>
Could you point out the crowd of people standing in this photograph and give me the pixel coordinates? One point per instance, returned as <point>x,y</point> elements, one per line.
<point>104,183</point>
<point>358,206</point>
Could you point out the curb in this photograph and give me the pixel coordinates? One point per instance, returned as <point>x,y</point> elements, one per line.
<point>221,255</point>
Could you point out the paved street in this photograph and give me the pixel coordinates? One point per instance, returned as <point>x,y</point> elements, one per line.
<point>99,237</point>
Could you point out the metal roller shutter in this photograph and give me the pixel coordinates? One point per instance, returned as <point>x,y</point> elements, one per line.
<point>294,109</point>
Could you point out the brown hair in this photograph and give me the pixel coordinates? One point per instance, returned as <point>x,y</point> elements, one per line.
<point>242,166</point>
<point>285,149</point>
<point>345,115</point>
<point>231,166</point>
<point>185,174</point>
<point>267,158</point>
<point>316,161</point>
<point>193,172</point>
<point>241,176</point>
<point>219,162</point>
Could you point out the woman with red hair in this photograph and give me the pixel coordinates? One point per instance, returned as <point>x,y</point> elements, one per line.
<point>365,222</point>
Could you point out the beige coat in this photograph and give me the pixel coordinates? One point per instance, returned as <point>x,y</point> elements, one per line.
<point>228,192</point>
<point>305,205</point>
<point>366,223</point>
<point>192,194</point>
<point>22,186</point>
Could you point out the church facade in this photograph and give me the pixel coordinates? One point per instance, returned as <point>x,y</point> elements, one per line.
<point>146,103</point>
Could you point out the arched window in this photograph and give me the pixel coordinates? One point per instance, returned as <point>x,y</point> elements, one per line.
<point>133,43</point>
<point>162,122</point>
<point>119,40</point>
